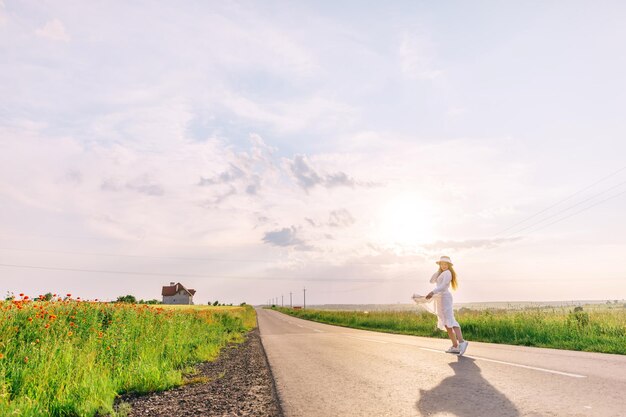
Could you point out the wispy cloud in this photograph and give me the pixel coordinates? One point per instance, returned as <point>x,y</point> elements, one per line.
<point>416,57</point>
<point>3,17</point>
<point>54,30</point>
<point>469,244</point>
<point>286,237</point>
<point>145,185</point>
<point>308,177</point>
<point>340,218</point>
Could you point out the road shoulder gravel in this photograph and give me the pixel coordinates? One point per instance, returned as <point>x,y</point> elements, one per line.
<point>238,383</point>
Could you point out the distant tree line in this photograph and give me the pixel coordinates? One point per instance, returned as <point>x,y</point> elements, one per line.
<point>217,303</point>
<point>128,298</point>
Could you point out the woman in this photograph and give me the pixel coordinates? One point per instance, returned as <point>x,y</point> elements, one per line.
<point>444,278</point>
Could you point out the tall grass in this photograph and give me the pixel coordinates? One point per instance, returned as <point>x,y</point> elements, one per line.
<point>592,331</point>
<point>72,358</point>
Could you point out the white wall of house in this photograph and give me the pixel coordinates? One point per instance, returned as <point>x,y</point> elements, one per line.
<point>182,297</point>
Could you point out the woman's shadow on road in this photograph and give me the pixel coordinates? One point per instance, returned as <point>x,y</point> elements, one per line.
<point>465,394</point>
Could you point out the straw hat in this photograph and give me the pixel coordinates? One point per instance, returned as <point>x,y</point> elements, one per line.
<point>444,259</point>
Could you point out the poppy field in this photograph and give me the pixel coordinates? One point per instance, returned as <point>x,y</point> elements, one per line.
<point>69,357</point>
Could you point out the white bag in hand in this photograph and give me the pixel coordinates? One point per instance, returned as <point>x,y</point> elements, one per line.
<point>419,299</point>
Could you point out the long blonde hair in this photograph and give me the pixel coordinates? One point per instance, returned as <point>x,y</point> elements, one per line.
<point>454,284</point>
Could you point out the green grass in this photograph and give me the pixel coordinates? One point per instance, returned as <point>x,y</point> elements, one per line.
<point>593,331</point>
<point>72,358</point>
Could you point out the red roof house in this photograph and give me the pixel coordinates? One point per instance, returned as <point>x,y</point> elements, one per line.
<point>176,293</point>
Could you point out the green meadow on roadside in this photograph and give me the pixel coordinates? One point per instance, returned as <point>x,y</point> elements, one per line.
<point>73,358</point>
<point>587,329</point>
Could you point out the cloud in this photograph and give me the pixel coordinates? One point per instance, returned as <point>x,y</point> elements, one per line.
<point>340,218</point>
<point>3,17</point>
<point>307,177</point>
<point>415,55</point>
<point>74,177</point>
<point>226,177</point>
<point>339,179</point>
<point>469,244</point>
<point>219,198</point>
<point>253,187</point>
<point>54,30</point>
<point>245,171</point>
<point>146,186</point>
<point>287,236</point>
<point>141,185</point>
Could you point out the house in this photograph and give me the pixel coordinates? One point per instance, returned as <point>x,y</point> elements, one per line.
<point>176,293</point>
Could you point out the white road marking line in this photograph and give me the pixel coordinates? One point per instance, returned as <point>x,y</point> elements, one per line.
<point>299,325</point>
<point>433,350</point>
<point>316,330</point>
<point>510,363</point>
<point>551,371</point>
<point>369,340</point>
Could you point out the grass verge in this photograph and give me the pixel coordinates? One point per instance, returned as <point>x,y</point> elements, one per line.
<point>592,331</point>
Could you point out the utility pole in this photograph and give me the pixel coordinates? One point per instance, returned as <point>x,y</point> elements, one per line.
<point>282,301</point>
<point>304,289</point>
<point>290,302</point>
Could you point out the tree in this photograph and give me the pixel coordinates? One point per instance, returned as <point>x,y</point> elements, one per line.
<point>216,303</point>
<point>153,301</point>
<point>47,296</point>
<point>126,299</point>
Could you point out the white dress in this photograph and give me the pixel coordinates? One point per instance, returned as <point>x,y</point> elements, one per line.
<point>442,300</point>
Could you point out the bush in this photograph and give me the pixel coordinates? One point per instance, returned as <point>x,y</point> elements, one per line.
<point>126,299</point>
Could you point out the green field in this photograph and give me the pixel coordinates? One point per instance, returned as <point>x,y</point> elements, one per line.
<point>590,329</point>
<point>73,358</point>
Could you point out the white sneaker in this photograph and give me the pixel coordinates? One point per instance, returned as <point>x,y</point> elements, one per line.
<point>453,349</point>
<point>463,347</point>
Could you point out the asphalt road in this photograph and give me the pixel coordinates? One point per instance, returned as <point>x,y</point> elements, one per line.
<point>329,371</point>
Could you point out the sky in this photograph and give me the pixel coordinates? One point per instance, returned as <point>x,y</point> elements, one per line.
<point>250,150</point>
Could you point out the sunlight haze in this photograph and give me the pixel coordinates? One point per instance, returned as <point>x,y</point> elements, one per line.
<point>251,149</point>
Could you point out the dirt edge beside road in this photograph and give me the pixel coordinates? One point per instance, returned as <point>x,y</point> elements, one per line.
<point>238,383</point>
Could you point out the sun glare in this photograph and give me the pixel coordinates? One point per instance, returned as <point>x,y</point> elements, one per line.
<point>405,221</point>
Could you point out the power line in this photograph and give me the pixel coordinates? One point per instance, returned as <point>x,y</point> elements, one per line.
<point>579,211</point>
<point>240,260</point>
<point>160,274</point>
<point>135,256</point>
<point>563,200</point>
<point>569,208</point>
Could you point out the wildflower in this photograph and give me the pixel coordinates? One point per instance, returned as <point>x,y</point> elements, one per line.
<point>1,355</point>
<point>25,359</point>
<point>25,297</point>
<point>30,319</point>
<point>46,326</point>
<point>21,294</point>
<point>70,333</point>
<point>69,295</point>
